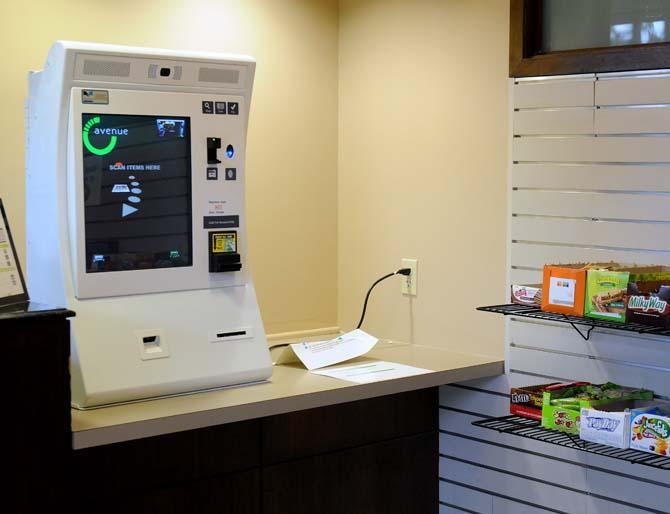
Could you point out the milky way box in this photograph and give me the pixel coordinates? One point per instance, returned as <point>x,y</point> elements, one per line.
<point>648,297</point>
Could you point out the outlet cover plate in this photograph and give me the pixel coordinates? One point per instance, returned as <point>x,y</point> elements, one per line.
<point>408,283</point>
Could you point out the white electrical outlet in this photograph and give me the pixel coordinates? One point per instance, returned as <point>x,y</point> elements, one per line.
<point>408,286</point>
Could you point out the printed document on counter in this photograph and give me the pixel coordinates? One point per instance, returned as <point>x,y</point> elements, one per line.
<point>320,354</point>
<point>374,371</point>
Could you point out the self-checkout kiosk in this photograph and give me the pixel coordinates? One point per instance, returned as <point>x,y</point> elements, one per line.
<point>136,220</point>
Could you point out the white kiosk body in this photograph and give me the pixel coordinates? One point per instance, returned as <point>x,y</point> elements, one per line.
<point>135,218</point>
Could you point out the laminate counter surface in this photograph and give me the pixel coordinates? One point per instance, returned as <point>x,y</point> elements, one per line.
<point>291,388</point>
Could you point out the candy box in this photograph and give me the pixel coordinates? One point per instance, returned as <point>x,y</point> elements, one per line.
<point>605,296</point>
<point>610,423</point>
<point>648,297</point>
<point>527,295</point>
<point>561,410</point>
<point>650,431</point>
<point>527,401</point>
<point>564,286</point>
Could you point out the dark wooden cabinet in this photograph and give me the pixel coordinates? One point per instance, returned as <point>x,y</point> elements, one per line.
<point>376,455</point>
<point>398,476</point>
<point>315,431</point>
<point>370,456</point>
<point>36,380</point>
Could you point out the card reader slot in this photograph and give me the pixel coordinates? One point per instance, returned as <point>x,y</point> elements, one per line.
<point>231,334</point>
<point>226,334</point>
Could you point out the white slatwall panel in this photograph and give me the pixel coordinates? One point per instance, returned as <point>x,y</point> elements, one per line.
<point>581,204</point>
<point>604,149</point>
<point>478,464</point>
<point>583,232</point>
<point>569,92</point>
<point>631,120</point>
<point>613,89</point>
<point>532,255</point>
<point>526,276</point>
<point>554,121</point>
<point>594,177</point>
<point>582,189</point>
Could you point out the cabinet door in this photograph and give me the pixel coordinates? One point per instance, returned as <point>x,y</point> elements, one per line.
<point>337,427</point>
<point>392,477</point>
<point>171,500</point>
<point>232,493</point>
<point>235,493</point>
<point>36,376</point>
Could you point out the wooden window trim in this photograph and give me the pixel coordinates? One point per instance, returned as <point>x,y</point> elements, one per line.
<point>525,43</point>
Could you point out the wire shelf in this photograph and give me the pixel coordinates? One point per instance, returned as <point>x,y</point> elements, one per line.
<point>531,429</point>
<point>524,311</point>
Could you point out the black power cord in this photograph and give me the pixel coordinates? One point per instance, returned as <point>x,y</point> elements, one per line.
<point>401,271</point>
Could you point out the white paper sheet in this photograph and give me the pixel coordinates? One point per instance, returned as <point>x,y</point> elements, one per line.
<point>10,280</point>
<point>374,371</point>
<point>320,354</point>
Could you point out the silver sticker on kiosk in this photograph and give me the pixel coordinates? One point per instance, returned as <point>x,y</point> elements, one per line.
<point>94,96</point>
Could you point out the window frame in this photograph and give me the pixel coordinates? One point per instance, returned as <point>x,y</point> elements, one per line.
<point>527,60</point>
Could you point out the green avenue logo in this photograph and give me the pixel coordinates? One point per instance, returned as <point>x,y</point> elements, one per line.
<point>112,132</point>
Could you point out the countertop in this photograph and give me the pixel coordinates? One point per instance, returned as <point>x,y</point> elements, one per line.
<point>291,388</point>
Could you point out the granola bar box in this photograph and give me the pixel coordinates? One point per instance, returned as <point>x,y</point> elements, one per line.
<point>564,286</point>
<point>605,296</point>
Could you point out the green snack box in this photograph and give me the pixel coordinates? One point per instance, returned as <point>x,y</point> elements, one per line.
<point>561,410</point>
<point>606,295</point>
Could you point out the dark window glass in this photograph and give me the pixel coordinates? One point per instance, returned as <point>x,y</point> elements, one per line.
<point>572,24</point>
<point>137,192</point>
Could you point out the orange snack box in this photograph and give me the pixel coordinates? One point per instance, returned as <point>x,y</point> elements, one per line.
<point>563,288</point>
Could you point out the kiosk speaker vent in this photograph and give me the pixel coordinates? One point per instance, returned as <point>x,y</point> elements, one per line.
<point>106,68</point>
<point>221,75</point>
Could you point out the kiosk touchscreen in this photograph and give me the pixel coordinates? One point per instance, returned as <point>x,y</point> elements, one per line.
<point>135,218</point>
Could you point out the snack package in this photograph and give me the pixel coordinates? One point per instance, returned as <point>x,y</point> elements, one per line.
<point>527,401</point>
<point>563,289</point>
<point>648,297</point>
<point>610,423</point>
<point>606,294</point>
<point>564,286</point>
<point>561,410</point>
<point>650,431</point>
<point>527,295</point>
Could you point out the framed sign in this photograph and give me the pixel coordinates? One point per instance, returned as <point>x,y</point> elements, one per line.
<point>12,285</point>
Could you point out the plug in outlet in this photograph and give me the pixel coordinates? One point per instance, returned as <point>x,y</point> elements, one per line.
<point>408,285</point>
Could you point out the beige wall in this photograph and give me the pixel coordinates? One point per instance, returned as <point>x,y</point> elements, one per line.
<point>422,166</point>
<point>292,147</point>
<point>422,147</point>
